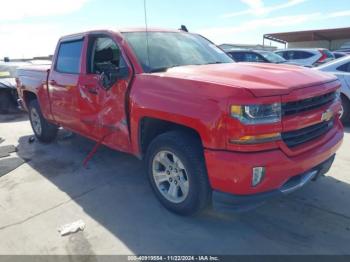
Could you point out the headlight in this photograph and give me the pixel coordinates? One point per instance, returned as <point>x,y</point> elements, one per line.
<point>257,114</point>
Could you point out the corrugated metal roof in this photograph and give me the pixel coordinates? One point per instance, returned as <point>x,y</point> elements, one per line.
<point>311,35</point>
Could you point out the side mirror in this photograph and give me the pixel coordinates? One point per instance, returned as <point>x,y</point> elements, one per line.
<point>109,77</point>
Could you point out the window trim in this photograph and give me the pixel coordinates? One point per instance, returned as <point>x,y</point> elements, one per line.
<point>80,39</point>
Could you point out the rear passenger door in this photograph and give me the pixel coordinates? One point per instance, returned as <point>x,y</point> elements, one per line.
<point>63,81</point>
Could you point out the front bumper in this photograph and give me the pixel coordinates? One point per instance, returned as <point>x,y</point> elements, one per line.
<point>223,200</point>
<point>231,172</point>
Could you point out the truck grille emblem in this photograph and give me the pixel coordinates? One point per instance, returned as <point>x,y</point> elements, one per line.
<point>327,116</point>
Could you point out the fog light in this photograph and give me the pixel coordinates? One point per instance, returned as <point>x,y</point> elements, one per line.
<point>258,175</point>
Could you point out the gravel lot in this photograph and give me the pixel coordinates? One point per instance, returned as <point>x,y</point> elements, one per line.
<point>113,198</point>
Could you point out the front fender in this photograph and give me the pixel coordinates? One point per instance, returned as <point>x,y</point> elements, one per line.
<point>197,105</point>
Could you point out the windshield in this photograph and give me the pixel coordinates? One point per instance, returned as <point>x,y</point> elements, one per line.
<point>171,49</point>
<point>272,57</point>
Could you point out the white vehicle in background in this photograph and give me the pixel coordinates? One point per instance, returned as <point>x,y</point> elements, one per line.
<point>309,57</point>
<point>341,68</point>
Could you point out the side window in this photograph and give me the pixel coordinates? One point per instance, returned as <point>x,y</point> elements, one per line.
<point>283,54</point>
<point>344,68</point>
<point>68,58</point>
<point>105,56</point>
<point>249,57</point>
<point>238,57</point>
<point>302,55</point>
<point>290,55</point>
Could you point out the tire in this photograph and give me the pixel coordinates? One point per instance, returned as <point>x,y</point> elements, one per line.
<point>345,118</point>
<point>43,130</point>
<point>193,192</point>
<point>5,101</point>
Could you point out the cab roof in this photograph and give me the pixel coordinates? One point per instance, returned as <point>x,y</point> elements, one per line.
<point>118,31</point>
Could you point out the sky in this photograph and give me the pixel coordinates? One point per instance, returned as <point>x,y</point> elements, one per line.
<point>32,28</point>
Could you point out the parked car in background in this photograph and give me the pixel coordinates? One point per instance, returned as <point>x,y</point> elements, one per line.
<point>207,127</point>
<point>341,68</point>
<point>339,54</point>
<point>259,56</point>
<point>307,57</point>
<point>345,50</point>
<point>8,93</point>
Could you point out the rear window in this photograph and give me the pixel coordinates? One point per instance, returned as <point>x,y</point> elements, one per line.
<point>299,55</point>
<point>68,58</point>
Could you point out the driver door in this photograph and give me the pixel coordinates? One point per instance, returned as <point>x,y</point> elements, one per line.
<point>102,92</point>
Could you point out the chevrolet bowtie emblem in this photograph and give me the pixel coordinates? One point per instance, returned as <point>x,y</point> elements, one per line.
<point>327,116</point>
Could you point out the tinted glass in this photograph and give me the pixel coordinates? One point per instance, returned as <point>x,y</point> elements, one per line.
<point>301,55</point>
<point>272,57</point>
<point>238,57</point>
<point>283,54</point>
<point>338,55</point>
<point>68,59</point>
<point>344,68</point>
<point>158,51</point>
<point>253,57</point>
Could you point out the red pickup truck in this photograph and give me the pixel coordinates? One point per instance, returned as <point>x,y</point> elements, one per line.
<point>208,128</point>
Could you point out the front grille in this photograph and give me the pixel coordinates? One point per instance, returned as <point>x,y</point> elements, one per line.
<point>295,107</point>
<point>298,137</point>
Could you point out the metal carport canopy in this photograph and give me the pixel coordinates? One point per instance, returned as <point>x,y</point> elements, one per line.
<point>310,35</point>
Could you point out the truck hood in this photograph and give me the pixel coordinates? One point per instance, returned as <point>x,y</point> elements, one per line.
<point>260,79</point>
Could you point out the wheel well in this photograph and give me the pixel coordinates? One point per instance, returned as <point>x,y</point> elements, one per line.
<point>28,97</point>
<point>150,128</point>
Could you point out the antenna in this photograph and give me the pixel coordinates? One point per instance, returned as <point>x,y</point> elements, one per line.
<point>146,23</point>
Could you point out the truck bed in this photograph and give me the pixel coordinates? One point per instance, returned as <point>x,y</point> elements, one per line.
<point>32,77</point>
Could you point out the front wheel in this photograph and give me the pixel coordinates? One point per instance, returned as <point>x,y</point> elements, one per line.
<point>177,173</point>
<point>43,130</point>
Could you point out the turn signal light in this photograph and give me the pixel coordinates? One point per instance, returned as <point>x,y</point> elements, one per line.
<point>258,139</point>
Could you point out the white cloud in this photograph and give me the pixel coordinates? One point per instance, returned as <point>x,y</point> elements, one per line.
<point>19,40</point>
<point>19,9</point>
<point>257,8</point>
<point>255,24</point>
<point>339,14</point>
